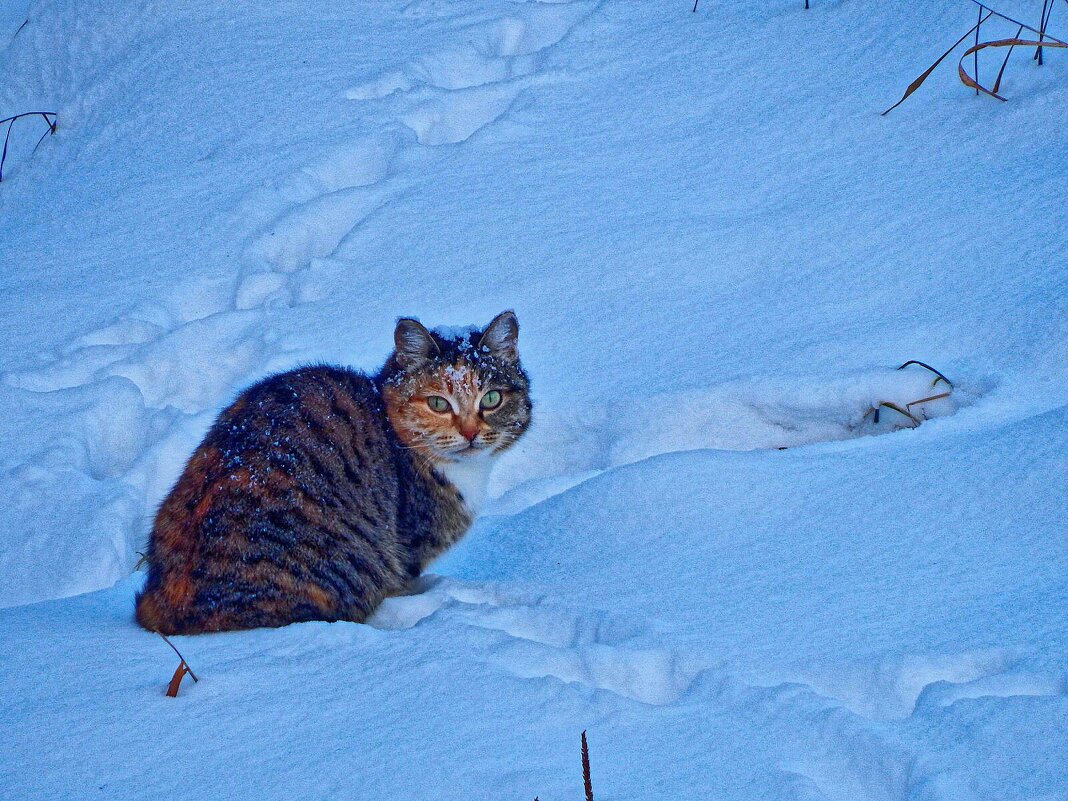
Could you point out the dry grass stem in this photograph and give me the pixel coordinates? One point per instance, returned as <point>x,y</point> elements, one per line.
<point>931,369</point>
<point>180,671</point>
<point>971,80</point>
<point>50,119</point>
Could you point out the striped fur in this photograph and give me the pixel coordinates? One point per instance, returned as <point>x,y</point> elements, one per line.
<point>321,491</point>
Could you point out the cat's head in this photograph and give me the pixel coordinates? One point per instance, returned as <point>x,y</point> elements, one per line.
<point>456,394</point>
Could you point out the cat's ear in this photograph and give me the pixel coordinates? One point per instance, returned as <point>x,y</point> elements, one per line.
<point>502,337</point>
<point>413,342</point>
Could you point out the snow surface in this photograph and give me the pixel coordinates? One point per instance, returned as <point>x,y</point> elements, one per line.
<point>716,248</point>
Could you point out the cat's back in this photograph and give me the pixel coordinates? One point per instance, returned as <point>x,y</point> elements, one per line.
<point>286,511</point>
<point>318,400</point>
<point>313,422</point>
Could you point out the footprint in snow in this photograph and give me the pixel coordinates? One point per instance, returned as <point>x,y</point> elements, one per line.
<point>538,641</point>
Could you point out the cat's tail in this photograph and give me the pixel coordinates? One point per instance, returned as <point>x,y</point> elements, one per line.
<point>164,604</point>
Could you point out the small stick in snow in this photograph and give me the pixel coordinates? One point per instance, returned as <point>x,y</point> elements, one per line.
<point>179,673</point>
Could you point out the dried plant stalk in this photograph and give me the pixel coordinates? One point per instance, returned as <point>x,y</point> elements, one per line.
<point>50,118</point>
<point>925,400</point>
<point>997,82</point>
<point>899,410</point>
<point>916,84</point>
<point>586,769</point>
<point>179,673</point>
<point>972,83</point>
<point>931,369</point>
<point>176,679</point>
<point>1044,40</point>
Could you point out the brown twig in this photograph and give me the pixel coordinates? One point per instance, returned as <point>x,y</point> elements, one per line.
<point>176,679</point>
<point>180,671</point>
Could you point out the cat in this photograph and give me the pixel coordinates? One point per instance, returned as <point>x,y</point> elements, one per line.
<point>323,490</point>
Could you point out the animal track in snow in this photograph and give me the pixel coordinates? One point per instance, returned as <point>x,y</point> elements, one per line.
<point>650,675</point>
<point>1004,685</point>
<point>448,118</point>
<point>314,229</point>
<point>538,641</point>
<point>838,742</point>
<point>443,98</point>
<point>900,685</point>
<point>312,210</point>
<point>853,748</point>
<point>765,414</point>
<point>161,367</point>
<point>449,96</point>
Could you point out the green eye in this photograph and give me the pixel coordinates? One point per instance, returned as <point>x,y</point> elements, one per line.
<point>491,400</point>
<point>438,403</point>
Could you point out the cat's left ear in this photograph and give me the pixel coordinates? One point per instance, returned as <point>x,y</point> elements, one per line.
<point>502,337</point>
<point>413,342</point>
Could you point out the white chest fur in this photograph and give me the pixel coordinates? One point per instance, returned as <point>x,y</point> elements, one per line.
<point>470,477</point>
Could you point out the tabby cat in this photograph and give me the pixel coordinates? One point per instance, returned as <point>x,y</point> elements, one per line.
<point>321,491</point>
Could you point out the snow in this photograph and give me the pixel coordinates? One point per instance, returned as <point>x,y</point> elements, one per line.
<point>458,333</point>
<point>717,250</point>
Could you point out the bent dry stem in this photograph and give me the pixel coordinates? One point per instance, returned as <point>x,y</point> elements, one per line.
<point>180,671</point>
<point>50,119</point>
<point>971,80</point>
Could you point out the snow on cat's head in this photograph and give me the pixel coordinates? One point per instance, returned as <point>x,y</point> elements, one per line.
<point>454,393</point>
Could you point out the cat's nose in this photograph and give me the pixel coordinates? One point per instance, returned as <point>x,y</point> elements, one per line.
<point>469,432</point>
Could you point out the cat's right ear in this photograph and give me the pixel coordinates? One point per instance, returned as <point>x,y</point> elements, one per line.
<point>413,342</point>
<point>501,336</point>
